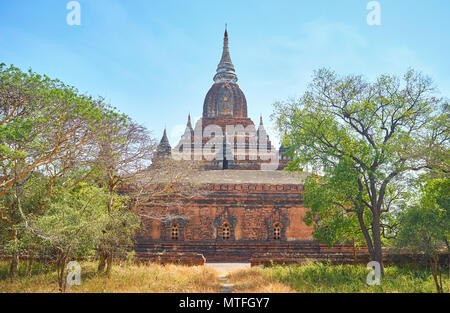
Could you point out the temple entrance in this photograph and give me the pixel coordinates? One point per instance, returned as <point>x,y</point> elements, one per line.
<point>225,163</point>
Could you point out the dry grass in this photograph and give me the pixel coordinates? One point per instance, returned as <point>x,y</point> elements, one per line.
<point>318,278</point>
<point>184,279</point>
<point>123,279</point>
<point>254,281</point>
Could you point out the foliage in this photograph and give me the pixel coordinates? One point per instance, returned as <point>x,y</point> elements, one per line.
<point>74,219</point>
<point>385,131</point>
<point>74,224</point>
<point>63,158</point>
<point>420,231</point>
<point>46,128</point>
<point>332,210</point>
<point>425,227</point>
<point>436,197</point>
<point>51,138</point>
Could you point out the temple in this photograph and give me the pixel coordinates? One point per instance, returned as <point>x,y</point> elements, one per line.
<point>251,206</point>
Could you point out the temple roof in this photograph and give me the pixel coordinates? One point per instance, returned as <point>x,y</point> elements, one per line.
<point>225,98</point>
<point>164,149</point>
<point>225,69</point>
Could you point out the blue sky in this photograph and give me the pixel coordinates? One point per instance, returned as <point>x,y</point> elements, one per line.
<point>155,60</point>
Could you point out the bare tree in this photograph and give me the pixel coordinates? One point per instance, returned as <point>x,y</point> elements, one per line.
<point>166,183</point>
<point>124,153</point>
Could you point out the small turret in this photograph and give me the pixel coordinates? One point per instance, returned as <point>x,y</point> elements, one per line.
<point>261,132</point>
<point>187,139</point>
<point>283,149</point>
<point>163,151</point>
<point>189,125</point>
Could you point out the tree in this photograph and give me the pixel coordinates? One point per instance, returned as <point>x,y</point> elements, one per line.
<point>425,227</point>
<point>127,159</point>
<point>25,199</point>
<point>436,197</point>
<point>72,225</point>
<point>331,199</point>
<point>125,152</point>
<point>387,129</point>
<point>45,127</point>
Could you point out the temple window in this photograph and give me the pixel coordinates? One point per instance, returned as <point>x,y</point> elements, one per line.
<point>226,231</point>
<point>174,231</point>
<point>277,231</point>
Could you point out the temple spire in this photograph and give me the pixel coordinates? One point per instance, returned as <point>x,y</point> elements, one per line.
<point>189,121</point>
<point>189,130</point>
<point>164,149</point>
<point>261,130</point>
<point>225,69</point>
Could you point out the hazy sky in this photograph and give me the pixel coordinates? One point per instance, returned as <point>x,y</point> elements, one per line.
<point>155,60</point>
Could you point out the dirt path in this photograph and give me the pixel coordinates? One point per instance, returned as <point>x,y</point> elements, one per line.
<point>224,269</point>
<point>226,286</point>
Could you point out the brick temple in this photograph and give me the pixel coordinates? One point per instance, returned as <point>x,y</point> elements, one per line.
<point>247,209</point>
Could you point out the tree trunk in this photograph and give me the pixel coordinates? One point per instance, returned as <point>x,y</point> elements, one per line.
<point>62,262</point>
<point>102,261</point>
<point>377,246</point>
<point>110,201</point>
<point>58,271</point>
<point>62,282</point>
<point>366,234</point>
<point>434,262</point>
<point>14,266</point>
<point>109,260</point>
<point>30,264</point>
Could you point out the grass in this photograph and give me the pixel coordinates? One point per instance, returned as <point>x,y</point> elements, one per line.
<point>310,277</point>
<point>318,278</point>
<point>124,278</point>
<point>253,281</point>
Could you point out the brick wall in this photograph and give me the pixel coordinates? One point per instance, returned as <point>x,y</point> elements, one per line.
<point>251,210</point>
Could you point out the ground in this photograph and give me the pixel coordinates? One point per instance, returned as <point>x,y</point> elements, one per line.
<point>224,269</point>
<point>225,277</point>
<point>125,277</point>
<point>318,278</point>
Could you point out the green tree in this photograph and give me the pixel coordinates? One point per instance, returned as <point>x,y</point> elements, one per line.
<point>436,198</point>
<point>46,127</point>
<point>72,225</point>
<point>388,129</point>
<point>25,199</point>
<point>424,227</point>
<point>332,199</point>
